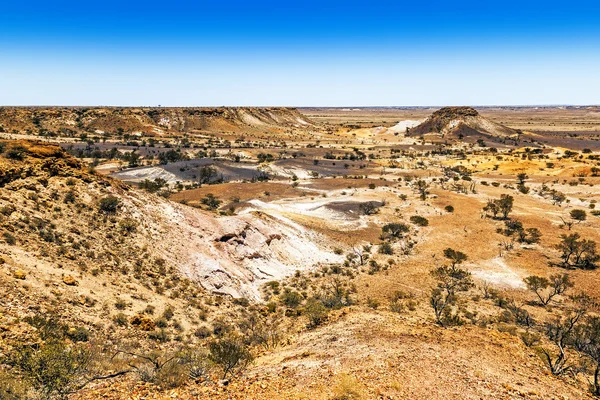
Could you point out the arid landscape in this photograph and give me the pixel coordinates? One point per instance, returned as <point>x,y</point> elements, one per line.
<point>300,253</point>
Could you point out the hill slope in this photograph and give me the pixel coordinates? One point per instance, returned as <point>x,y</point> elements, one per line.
<point>78,241</point>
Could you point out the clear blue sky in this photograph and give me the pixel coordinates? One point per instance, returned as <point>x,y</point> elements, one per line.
<point>302,53</point>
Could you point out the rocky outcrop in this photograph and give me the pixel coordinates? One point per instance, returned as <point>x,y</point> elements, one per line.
<point>461,123</point>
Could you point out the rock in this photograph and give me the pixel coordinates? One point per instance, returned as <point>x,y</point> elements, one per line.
<point>69,280</point>
<point>20,274</point>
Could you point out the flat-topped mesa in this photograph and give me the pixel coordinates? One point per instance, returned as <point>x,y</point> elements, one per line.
<point>455,112</point>
<point>461,123</point>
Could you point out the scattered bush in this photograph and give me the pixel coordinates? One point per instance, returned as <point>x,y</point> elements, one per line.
<point>109,204</point>
<point>418,220</point>
<point>230,354</point>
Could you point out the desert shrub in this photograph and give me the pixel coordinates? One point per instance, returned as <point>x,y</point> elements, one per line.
<point>418,220</point>
<point>369,208</point>
<point>530,339</point>
<point>160,335</point>
<point>202,332</point>
<point>128,225</point>
<point>316,312</point>
<point>396,306</point>
<point>291,298</point>
<point>523,189</point>
<point>168,369</point>
<point>109,204</point>
<point>78,334</point>
<point>385,248</point>
<point>121,304</point>
<point>16,152</point>
<point>53,369</point>
<point>449,209</point>
<point>502,206</point>
<point>577,252</point>
<point>347,388</point>
<point>48,327</point>
<point>578,215</point>
<point>373,303</point>
<point>395,230</point>
<point>230,354</point>
<point>161,323</point>
<point>168,313</point>
<point>70,196</point>
<point>211,202</point>
<point>120,319</point>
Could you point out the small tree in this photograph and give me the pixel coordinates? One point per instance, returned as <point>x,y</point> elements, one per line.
<point>576,252</point>
<point>578,215</point>
<point>562,332</point>
<point>547,289</point>
<point>505,204</point>
<point>450,281</point>
<point>422,188</point>
<point>521,178</point>
<point>502,206</point>
<point>587,341</point>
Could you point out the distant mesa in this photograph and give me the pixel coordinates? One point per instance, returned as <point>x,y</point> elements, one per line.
<point>461,123</point>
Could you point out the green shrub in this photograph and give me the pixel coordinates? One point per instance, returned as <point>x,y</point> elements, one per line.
<point>120,319</point>
<point>386,248</point>
<point>109,204</point>
<point>53,369</point>
<point>316,312</point>
<point>291,298</point>
<point>418,220</point>
<point>230,354</point>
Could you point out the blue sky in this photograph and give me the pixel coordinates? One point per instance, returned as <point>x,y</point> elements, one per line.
<point>304,53</point>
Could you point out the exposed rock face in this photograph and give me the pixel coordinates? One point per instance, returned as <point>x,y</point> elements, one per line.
<point>461,122</point>
<point>235,255</point>
<point>71,121</point>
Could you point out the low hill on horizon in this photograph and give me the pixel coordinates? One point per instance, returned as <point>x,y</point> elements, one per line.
<point>461,123</point>
<point>153,121</point>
